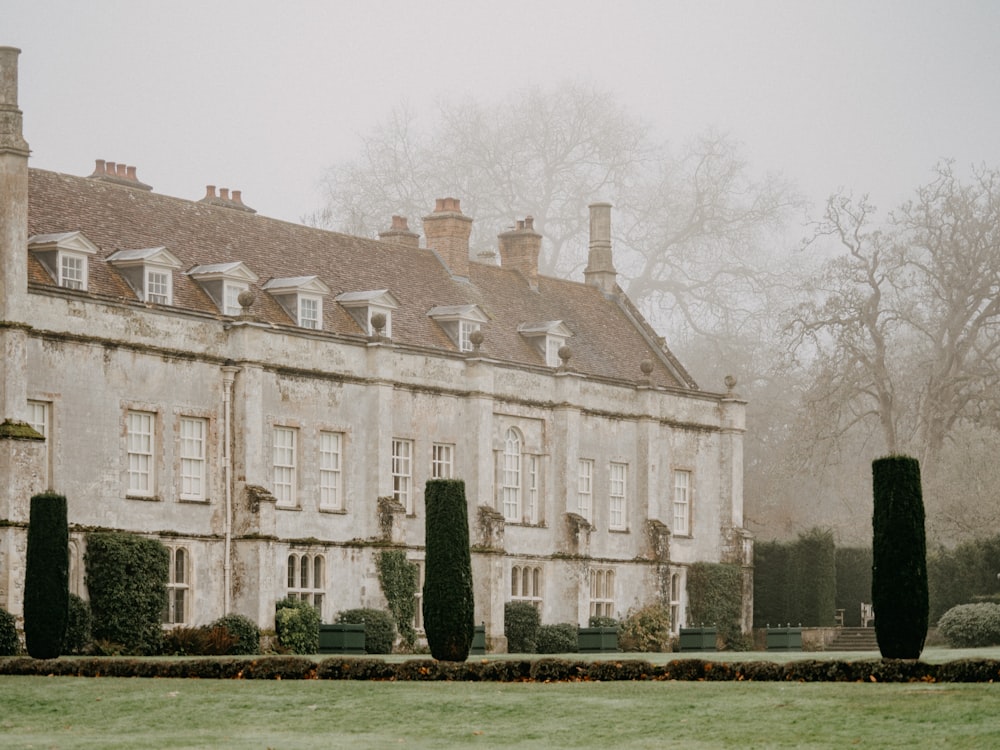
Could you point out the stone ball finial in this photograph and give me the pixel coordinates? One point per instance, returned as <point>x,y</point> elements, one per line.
<point>646,366</point>
<point>730,382</point>
<point>246,299</point>
<point>378,321</point>
<point>565,353</point>
<point>476,339</point>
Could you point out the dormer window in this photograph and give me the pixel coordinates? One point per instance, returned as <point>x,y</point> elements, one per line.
<point>363,305</point>
<point>150,272</point>
<point>547,337</point>
<point>459,321</point>
<point>224,282</point>
<point>301,297</point>
<point>64,256</point>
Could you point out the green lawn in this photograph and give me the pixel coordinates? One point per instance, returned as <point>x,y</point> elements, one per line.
<point>66,712</point>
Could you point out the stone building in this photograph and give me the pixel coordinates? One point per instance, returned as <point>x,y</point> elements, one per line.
<point>269,400</point>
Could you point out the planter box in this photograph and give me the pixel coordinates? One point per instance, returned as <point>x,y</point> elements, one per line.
<point>478,641</point>
<point>698,639</point>
<point>784,639</point>
<point>596,640</point>
<point>342,638</point>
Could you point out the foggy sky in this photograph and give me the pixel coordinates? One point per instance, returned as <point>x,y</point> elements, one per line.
<point>262,96</point>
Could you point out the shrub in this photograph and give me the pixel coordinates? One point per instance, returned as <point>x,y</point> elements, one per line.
<point>380,633</point>
<point>646,629</point>
<point>10,644</point>
<point>971,625</point>
<point>78,626</point>
<point>715,595</point>
<point>398,577</point>
<point>520,625</point>
<point>448,595</point>
<point>127,580</point>
<point>297,626</point>
<point>557,639</point>
<point>899,558</point>
<point>46,577</point>
<point>244,631</point>
<point>596,621</point>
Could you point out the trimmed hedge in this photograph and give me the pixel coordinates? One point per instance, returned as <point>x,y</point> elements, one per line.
<point>899,558</point>
<point>78,627</point>
<point>514,670</point>
<point>380,632</point>
<point>10,644</point>
<point>796,582</point>
<point>127,579</point>
<point>560,638</point>
<point>448,594</point>
<point>520,625</point>
<point>46,576</point>
<point>297,625</point>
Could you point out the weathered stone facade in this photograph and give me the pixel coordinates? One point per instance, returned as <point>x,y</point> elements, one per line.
<point>295,426</point>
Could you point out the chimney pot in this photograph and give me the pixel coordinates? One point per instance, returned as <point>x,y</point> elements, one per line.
<point>238,197</point>
<point>109,168</point>
<point>529,222</point>
<point>400,223</point>
<point>224,193</point>
<point>131,174</point>
<point>447,231</point>
<point>209,191</point>
<point>99,167</point>
<point>122,171</point>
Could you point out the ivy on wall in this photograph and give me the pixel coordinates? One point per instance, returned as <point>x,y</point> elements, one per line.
<point>398,577</point>
<point>715,598</point>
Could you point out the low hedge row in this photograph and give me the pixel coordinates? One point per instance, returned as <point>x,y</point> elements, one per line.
<point>513,670</point>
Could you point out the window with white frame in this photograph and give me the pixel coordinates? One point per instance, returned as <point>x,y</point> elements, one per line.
<point>617,489</point>
<point>331,446</point>
<point>442,461</point>
<point>178,587</point>
<point>526,584</point>
<point>38,417</point>
<point>585,488</point>
<point>602,593</point>
<point>72,271</point>
<point>552,346</point>
<point>140,445</point>
<point>285,440</point>
<point>465,329</point>
<point>232,294</point>
<point>511,476</point>
<point>682,503</point>
<point>532,489</point>
<point>309,312</point>
<point>307,578</point>
<point>158,286</point>
<point>402,473</point>
<point>194,458</point>
<point>675,602</point>
<point>418,597</point>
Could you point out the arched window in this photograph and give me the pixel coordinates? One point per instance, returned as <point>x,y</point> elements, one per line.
<point>511,479</point>
<point>307,578</point>
<point>602,593</point>
<point>177,611</point>
<point>526,584</point>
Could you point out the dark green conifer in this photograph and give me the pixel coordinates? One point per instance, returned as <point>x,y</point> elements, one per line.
<point>46,576</point>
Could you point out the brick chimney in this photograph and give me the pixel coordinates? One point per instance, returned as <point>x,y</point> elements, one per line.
<point>447,231</point>
<point>400,234</point>
<point>600,270</point>
<point>520,248</point>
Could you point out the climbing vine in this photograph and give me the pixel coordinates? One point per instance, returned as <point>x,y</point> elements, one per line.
<point>398,577</point>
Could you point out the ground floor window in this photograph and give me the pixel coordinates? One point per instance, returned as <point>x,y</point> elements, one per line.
<point>526,584</point>
<point>178,588</point>
<point>307,578</point>
<point>602,593</point>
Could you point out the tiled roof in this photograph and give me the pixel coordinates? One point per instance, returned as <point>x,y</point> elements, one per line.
<point>605,343</point>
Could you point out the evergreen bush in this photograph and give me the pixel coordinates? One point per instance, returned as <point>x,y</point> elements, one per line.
<point>245,632</point>
<point>520,626</point>
<point>813,560</point>
<point>715,596</point>
<point>10,644</point>
<point>127,579</point>
<point>560,638</point>
<point>646,629</point>
<point>899,558</point>
<point>297,625</point>
<point>46,577</point>
<point>599,621</point>
<point>448,595</point>
<point>380,632</point>
<point>78,627</point>
<point>398,577</point>
<point>971,625</point>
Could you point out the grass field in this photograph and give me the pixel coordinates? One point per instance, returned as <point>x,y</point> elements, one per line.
<point>63,712</point>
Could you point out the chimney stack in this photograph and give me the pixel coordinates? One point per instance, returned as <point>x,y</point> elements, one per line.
<point>447,231</point>
<point>520,248</point>
<point>600,270</point>
<point>400,234</point>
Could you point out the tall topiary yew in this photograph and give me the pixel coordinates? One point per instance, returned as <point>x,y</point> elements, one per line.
<point>899,558</point>
<point>447,599</point>
<point>46,576</point>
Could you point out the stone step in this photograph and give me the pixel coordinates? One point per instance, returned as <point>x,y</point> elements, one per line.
<point>854,639</point>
